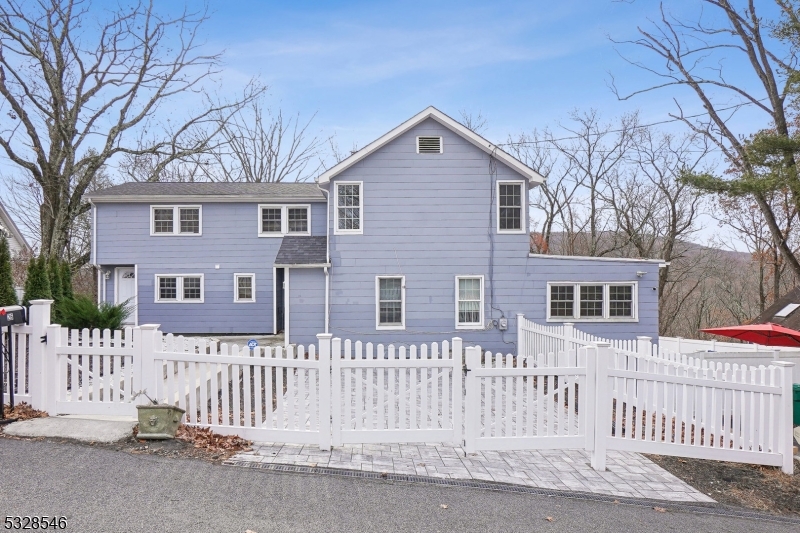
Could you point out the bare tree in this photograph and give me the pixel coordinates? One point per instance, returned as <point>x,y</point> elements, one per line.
<point>70,82</point>
<point>693,55</point>
<point>475,122</point>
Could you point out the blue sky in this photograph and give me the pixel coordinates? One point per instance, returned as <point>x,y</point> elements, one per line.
<point>364,67</point>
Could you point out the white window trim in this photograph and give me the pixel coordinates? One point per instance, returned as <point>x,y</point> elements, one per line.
<point>236,277</point>
<point>176,220</point>
<point>606,301</point>
<point>441,143</point>
<point>284,219</point>
<point>470,325</point>
<point>378,325</point>
<point>180,300</point>
<point>336,230</point>
<point>523,218</point>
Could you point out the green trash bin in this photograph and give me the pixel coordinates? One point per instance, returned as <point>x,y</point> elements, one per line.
<point>796,395</point>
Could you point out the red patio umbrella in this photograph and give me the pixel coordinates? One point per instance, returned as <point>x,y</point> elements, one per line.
<point>768,334</point>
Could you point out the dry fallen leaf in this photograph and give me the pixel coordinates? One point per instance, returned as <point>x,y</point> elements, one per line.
<point>682,461</point>
<point>443,506</point>
<point>660,509</point>
<point>615,501</point>
<point>549,518</point>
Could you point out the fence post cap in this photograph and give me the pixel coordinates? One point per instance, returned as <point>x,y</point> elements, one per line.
<point>324,335</point>
<point>601,344</point>
<point>150,326</point>
<point>456,339</point>
<point>520,314</point>
<point>41,302</point>
<point>644,337</point>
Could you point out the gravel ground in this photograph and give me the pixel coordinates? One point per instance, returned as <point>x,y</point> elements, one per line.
<point>764,488</point>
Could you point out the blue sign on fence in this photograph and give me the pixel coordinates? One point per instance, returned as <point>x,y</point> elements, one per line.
<point>252,343</point>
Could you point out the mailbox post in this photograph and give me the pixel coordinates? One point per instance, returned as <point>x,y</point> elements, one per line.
<point>9,316</point>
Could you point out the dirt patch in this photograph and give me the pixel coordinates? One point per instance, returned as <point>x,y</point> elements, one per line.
<point>764,488</point>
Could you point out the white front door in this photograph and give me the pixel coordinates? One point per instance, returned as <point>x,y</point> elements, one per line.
<point>126,289</point>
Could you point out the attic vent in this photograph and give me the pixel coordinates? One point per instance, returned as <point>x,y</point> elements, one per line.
<point>786,311</point>
<point>429,145</point>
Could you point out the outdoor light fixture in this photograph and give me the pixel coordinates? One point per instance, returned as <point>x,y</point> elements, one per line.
<point>640,273</point>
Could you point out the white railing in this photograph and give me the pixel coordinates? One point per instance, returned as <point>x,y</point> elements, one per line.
<point>686,346</point>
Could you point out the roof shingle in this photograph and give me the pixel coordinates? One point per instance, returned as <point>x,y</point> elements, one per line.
<point>213,191</point>
<point>302,250</point>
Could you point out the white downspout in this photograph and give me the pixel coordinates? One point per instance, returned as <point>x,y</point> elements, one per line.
<point>327,256</point>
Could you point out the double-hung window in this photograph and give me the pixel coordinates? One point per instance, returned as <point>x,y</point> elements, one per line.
<point>349,202</point>
<point>469,302</point>
<point>244,287</point>
<point>510,207</point>
<point>280,220</point>
<point>591,301</point>
<point>390,302</point>
<point>179,288</point>
<point>176,220</point>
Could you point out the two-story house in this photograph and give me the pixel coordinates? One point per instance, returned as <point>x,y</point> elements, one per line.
<point>421,235</point>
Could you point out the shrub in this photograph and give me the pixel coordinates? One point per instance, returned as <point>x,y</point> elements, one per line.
<point>83,312</point>
<point>8,296</point>
<point>37,284</point>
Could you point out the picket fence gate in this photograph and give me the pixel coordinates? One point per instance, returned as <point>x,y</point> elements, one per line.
<point>596,398</point>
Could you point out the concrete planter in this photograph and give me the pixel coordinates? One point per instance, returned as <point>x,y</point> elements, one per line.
<point>158,421</point>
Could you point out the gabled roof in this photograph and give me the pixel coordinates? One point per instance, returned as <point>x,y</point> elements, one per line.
<point>790,318</point>
<point>8,223</point>
<point>455,126</point>
<point>209,192</point>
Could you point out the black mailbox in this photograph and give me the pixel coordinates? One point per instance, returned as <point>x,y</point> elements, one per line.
<point>12,315</point>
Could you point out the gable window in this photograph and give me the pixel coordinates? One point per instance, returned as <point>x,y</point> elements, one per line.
<point>244,286</point>
<point>390,305</point>
<point>469,302</point>
<point>591,301</point>
<point>176,220</point>
<point>180,288</point>
<point>509,207</point>
<point>349,208</point>
<point>279,220</point>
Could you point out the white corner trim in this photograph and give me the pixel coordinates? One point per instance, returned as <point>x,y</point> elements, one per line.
<point>360,230</point>
<point>476,325</point>
<point>431,112</point>
<point>402,325</point>
<point>236,277</point>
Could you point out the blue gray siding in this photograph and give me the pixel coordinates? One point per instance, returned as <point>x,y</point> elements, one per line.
<point>306,304</point>
<point>229,239</point>
<point>431,218</point>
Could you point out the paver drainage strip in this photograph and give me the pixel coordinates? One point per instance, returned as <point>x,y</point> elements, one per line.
<point>701,508</point>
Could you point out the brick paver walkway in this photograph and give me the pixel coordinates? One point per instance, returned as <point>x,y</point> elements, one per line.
<point>628,474</point>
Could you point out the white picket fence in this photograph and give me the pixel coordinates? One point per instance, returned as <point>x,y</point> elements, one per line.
<point>688,346</point>
<point>533,338</point>
<point>596,398</point>
<point>28,356</point>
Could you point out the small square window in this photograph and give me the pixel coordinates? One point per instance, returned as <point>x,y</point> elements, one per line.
<point>162,220</point>
<point>271,219</point>
<point>298,220</point>
<point>190,220</point>
<point>191,288</point>
<point>620,301</point>
<point>591,300</point>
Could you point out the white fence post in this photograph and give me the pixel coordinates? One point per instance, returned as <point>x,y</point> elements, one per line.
<point>644,345</point>
<point>325,394</point>
<point>473,400</point>
<point>52,380</point>
<point>458,374</point>
<point>569,335</point>
<point>785,429</point>
<point>147,341</point>
<point>522,344</point>
<point>602,407</point>
<point>335,346</point>
<point>38,366</point>
<point>589,398</point>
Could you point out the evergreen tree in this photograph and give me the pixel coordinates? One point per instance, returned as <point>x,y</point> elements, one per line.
<point>66,281</point>
<point>8,296</point>
<point>37,285</point>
